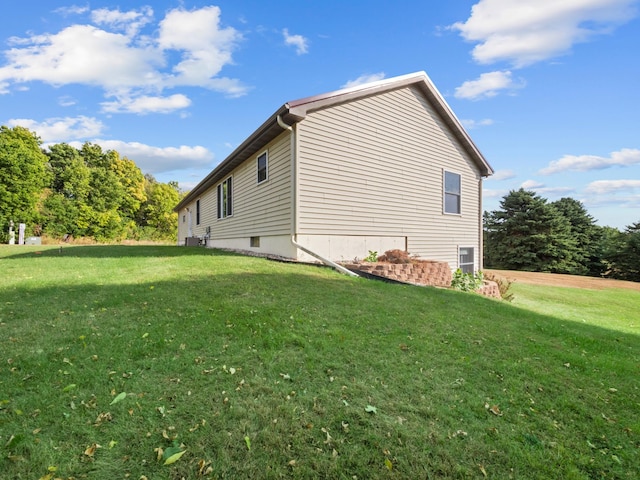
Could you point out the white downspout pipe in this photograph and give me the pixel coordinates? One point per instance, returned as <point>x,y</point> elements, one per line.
<point>294,213</point>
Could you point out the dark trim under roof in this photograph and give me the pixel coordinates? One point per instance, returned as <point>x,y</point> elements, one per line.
<point>294,111</point>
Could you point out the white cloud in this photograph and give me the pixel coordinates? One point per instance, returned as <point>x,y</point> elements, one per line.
<point>585,163</point>
<point>205,46</point>
<point>362,79</point>
<point>147,104</point>
<point>531,184</point>
<point>487,85</point>
<point>155,160</point>
<point>301,43</point>
<point>129,64</point>
<point>83,54</point>
<point>502,175</point>
<point>130,22</point>
<point>471,124</point>
<point>57,130</point>
<point>601,187</point>
<point>524,32</point>
<point>72,10</point>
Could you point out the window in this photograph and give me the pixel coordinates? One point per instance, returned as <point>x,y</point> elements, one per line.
<point>451,192</point>
<point>197,212</point>
<point>254,242</point>
<point>262,167</point>
<point>225,198</point>
<point>184,218</point>
<point>465,259</point>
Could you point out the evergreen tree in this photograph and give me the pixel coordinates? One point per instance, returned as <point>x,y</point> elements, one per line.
<point>586,234</point>
<point>528,234</point>
<point>625,257</point>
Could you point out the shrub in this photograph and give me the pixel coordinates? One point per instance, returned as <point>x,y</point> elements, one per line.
<point>372,257</point>
<point>504,285</point>
<point>395,256</point>
<point>466,282</point>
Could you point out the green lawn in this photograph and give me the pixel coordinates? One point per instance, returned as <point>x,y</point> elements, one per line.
<point>113,358</point>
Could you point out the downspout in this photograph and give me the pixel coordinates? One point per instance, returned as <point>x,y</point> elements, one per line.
<point>294,212</point>
<point>480,227</point>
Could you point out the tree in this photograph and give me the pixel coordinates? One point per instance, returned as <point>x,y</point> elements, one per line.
<point>156,215</point>
<point>528,234</point>
<point>586,234</point>
<point>625,255</point>
<point>23,177</point>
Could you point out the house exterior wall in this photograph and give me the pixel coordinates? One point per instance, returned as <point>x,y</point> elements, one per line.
<point>374,168</point>
<point>261,210</point>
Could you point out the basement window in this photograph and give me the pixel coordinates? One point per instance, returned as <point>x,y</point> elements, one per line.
<point>263,163</point>
<point>466,259</point>
<point>254,242</point>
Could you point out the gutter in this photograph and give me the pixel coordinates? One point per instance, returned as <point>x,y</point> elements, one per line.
<point>294,209</point>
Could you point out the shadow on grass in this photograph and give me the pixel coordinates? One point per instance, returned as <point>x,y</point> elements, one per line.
<point>312,326</point>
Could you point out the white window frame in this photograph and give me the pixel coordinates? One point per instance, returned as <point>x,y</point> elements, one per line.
<point>464,266</point>
<point>445,193</point>
<point>225,205</point>
<point>266,167</point>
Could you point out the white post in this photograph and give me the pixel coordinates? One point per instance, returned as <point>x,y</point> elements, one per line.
<point>12,234</point>
<point>21,229</point>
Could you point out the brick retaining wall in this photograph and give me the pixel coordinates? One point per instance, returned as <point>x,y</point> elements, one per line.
<point>432,273</point>
<point>427,272</point>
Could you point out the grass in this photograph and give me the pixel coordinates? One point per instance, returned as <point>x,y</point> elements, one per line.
<point>257,369</point>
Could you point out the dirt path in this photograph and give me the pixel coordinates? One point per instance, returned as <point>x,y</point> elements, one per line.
<point>555,279</point>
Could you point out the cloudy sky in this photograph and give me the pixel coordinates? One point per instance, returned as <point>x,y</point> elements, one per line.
<point>548,89</point>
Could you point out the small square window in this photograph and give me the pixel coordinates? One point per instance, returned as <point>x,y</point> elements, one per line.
<point>254,242</point>
<point>262,167</point>
<point>452,192</point>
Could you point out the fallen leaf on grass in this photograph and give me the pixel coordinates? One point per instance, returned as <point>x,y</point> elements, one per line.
<point>121,396</point>
<point>204,468</point>
<point>247,440</point>
<point>493,409</point>
<point>91,450</point>
<point>69,387</point>
<point>371,409</point>
<point>484,472</point>
<point>388,464</point>
<point>172,455</point>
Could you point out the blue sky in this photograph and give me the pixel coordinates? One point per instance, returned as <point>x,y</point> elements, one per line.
<point>549,90</point>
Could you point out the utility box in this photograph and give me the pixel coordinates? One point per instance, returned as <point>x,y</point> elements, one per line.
<point>192,242</point>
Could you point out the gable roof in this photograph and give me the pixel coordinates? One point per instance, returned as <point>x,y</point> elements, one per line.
<point>296,110</point>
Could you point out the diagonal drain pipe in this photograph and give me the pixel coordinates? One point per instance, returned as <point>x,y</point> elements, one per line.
<point>326,261</point>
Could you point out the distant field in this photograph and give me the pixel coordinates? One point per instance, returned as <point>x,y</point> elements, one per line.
<point>575,281</point>
<point>164,362</point>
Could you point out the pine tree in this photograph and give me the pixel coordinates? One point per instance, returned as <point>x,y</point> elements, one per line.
<point>529,234</point>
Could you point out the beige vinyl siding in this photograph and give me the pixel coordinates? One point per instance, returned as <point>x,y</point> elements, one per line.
<point>258,209</point>
<point>375,167</point>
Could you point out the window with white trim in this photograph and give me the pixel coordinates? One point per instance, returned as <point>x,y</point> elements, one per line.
<point>225,198</point>
<point>263,167</point>
<point>452,192</point>
<point>466,259</point>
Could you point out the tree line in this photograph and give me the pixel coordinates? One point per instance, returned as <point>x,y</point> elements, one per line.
<point>531,234</point>
<point>86,192</point>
